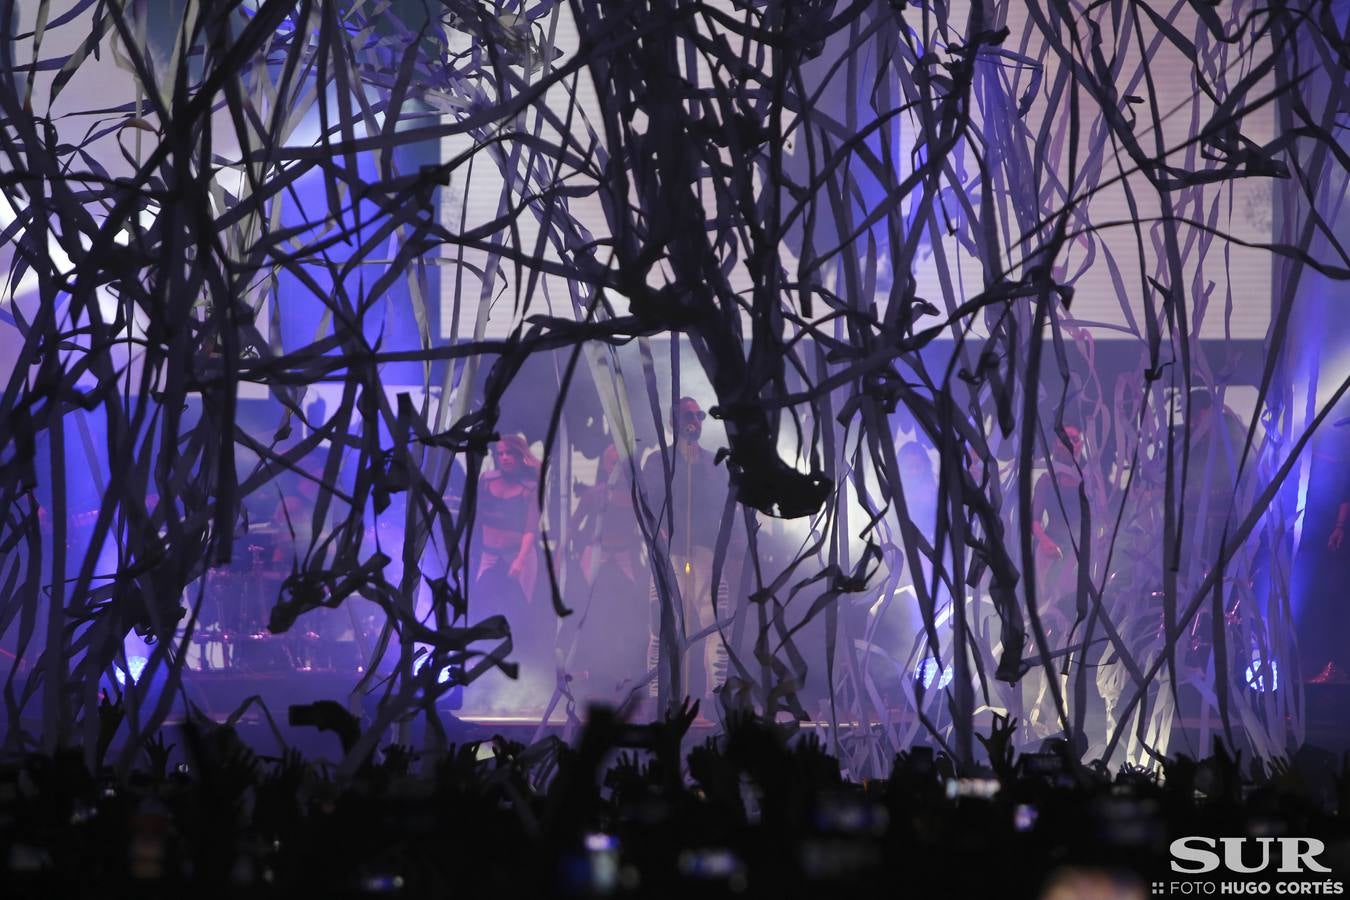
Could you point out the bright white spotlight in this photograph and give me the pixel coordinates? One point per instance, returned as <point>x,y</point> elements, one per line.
<point>441,678</point>
<point>135,665</point>
<point>928,671</point>
<point>1256,673</point>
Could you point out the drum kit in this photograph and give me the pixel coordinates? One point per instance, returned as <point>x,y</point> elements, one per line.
<point>231,633</point>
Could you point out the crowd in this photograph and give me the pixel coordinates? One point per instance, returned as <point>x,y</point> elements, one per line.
<point>760,810</point>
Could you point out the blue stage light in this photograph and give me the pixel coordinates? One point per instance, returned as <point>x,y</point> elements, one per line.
<point>927,672</point>
<point>135,665</point>
<point>441,678</point>
<point>1256,673</point>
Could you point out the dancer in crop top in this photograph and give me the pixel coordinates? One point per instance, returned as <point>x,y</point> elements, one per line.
<point>507,519</point>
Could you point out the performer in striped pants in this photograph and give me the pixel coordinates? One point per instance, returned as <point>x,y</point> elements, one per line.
<point>687,492</point>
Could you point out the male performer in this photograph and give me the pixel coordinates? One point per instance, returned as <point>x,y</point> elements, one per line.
<point>688,504</point>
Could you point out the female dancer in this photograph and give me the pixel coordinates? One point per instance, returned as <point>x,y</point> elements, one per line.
<point>507,517</point>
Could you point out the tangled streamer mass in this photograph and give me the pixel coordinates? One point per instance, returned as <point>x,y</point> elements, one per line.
<point>903,372</point>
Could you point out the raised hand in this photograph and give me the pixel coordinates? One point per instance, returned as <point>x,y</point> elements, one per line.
<point>999,745</point>
<point>157,754</point>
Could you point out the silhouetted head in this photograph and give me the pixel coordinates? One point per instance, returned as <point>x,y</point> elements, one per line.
<point>915,464</point>
<point>1194,408</point>
<point>1066,453</point>
<point>1202,407</point>
<point>687,420</point>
